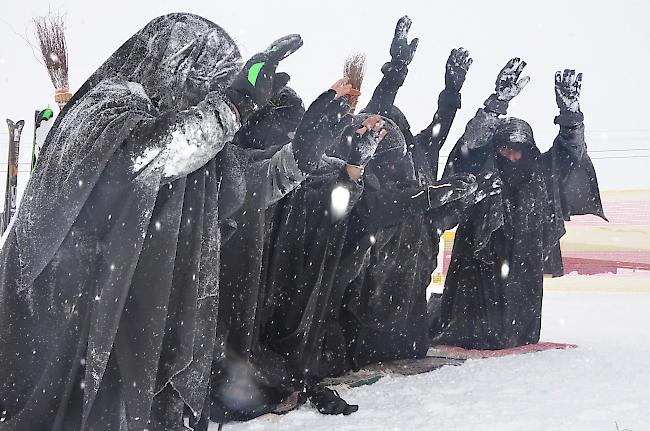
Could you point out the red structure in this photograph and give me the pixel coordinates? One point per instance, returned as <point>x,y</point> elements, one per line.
<point>592,246</point>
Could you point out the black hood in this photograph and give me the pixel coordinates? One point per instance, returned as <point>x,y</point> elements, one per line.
<point>515,134</point>
<point>177,58</point>
<point>399,118</point>
<point>391,163</point>
<point>394,141</point>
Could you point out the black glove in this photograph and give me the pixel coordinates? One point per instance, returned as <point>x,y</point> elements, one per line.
<point>258,81</point>
<point>364,143</point>
<point>567,96</point>
<point>400,50</point>
<point>315,133</point>
<point>508,85</point>
<point>456,69</point>
<point>451,189</point>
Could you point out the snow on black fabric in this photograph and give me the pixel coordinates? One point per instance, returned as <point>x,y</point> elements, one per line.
<point>384,312</point>
<point>110,271</point>
<point>506,242</point>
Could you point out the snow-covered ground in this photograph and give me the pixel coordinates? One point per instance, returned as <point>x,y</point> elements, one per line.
<point>602,385</point>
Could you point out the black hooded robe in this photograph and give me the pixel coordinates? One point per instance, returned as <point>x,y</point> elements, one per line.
<point>504,245</point>
<point>385,310</point>
<point>117,236</point>
<point>248,378</point>
<point>304,256</point>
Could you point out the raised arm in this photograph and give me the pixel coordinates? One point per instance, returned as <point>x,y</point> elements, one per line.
<point>395,71</point>
<point>471,149</point>
<point>289,166</point>
<point>568,165</point>
<point>571,138</point>
<point>343,194</point>
<point>180,142</point>
<point>434,136</point>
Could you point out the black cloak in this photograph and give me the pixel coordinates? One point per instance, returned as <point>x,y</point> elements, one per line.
<point>255,374</point>
<point>304,256</point>
<point>493,290</point>
<point>306,234</point>
<point>109,273</point>
<point>249,379</point>
<point>384,312</point>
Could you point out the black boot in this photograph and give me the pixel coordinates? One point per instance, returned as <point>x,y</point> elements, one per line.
<point>328,401</point>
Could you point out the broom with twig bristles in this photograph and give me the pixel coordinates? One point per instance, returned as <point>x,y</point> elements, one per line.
<point>354,70</point>
<point>50,32</point>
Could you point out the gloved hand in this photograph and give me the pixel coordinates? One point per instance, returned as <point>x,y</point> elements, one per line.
<point>400,50</point>
<point>456,69</point>
<point>315,133</point>
<point>258,80</point>
<point>567,90</point>
<point>567,96</point>
<point>450,189</point>
<point>365,141</point>
<point>508,85</point>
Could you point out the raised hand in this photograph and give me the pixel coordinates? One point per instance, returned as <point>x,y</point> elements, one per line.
<point>400,50</point>
<point>365,140</point>
<point>458,64</point>
<point>567,90</point>
<point>508,86</point>
<point>258,80</point>
<point>342,87</point>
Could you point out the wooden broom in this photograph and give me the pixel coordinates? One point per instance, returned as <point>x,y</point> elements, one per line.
<point>354,69</point>
<point>50,32</point>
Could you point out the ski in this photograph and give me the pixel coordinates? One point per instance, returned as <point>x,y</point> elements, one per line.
<point>15,129</point>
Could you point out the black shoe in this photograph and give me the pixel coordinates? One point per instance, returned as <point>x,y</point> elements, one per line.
<point>329,402</point>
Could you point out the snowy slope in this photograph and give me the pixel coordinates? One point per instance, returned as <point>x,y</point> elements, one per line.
<point>602,385</point>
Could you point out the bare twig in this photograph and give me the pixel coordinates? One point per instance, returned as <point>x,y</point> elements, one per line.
<point>32,47</point>
<point>50,32</point>
<point>355,69</point>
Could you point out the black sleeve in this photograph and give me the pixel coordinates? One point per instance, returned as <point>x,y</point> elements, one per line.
<point>180,142</point>
<point>384,208</point>
<point>570,173</point>
<point>431,139</point>
<point>383,98</point>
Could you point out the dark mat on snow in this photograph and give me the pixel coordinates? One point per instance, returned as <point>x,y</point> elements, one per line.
<point>403,367</point>
<point>453,352</point>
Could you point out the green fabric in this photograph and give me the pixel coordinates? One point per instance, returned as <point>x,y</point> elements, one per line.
<point>254,72</point>
<point>47,113</point>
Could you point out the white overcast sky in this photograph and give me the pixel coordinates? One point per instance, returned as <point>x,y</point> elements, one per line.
<point>608,41</point>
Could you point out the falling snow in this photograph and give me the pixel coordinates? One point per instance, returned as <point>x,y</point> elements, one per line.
<point>340,201</point>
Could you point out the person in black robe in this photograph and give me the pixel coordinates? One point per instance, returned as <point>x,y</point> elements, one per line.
<point>109,272</point>
<point>307,232</point>
<point>504,245</point>
<point>250,379</point>
<point>384,314</point>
